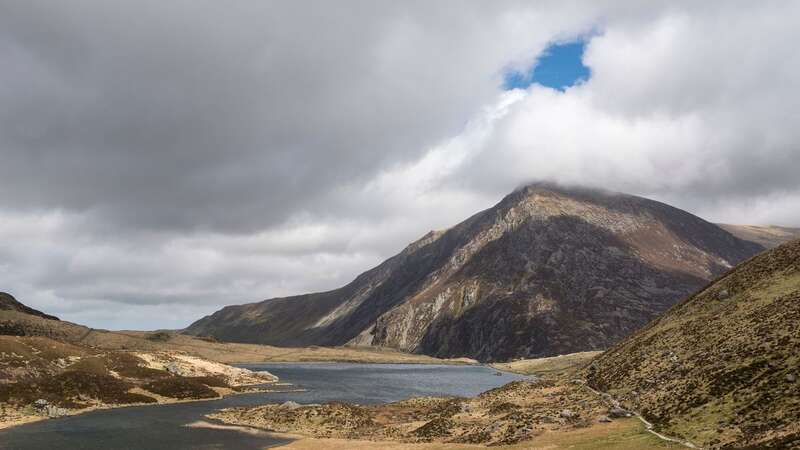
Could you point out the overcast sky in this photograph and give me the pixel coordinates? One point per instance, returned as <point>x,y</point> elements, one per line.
<point>161,159</point>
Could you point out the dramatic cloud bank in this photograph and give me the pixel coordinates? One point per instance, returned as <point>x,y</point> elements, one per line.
<point>159,160</point>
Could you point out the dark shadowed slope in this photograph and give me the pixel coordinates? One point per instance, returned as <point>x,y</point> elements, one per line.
<point>547,270</point>
<point>9,303</point>
<point>722,367</point>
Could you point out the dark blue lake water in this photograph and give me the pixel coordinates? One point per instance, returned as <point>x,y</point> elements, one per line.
<point>163,426</point>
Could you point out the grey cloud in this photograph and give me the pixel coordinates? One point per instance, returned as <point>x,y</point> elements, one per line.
<point>202,115</point>
<point>161,159</point>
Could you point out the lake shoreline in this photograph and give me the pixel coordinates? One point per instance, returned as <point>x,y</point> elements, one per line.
<point>24,419</point>
<point>164,426</point>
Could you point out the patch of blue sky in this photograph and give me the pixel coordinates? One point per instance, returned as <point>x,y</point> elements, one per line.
<point>559,67</point>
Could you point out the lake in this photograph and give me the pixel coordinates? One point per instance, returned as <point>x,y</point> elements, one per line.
<point>163,426</point>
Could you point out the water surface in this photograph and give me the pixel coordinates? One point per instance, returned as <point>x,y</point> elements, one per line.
<point>162,426</point>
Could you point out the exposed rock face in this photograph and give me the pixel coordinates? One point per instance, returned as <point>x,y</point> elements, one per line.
<point>9,303</point>
<point>719,370</point>
<point>548,270</point>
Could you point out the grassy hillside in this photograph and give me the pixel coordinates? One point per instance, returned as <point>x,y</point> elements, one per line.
<point>769,236</point>
<point>554,365</point>
<point>721,368</point>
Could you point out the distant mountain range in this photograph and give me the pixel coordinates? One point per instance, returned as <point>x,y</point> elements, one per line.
<point>548,270</point>
<point>721,368</point>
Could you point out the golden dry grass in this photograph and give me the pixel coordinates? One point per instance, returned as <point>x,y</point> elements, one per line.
<point>627,434</point>
<point>229,353</point>
<point>547,366</point>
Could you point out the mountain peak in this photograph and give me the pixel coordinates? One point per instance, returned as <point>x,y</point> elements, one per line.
<point>550,269</point>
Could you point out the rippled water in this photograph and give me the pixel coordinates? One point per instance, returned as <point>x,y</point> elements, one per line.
<point>162,426</point>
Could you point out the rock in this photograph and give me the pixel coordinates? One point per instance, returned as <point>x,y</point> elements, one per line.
<point>173,368</point>
<point>290,405</point>
<point>603,419</point>
<point>45,408</point>
<point>467,408</point>
<point>791,378</point>
<point>566,414</point>
<point>723,294</point>
<point>617,412</point>
<point>55,411</point>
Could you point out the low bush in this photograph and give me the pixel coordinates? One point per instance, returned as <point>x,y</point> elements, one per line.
<point>181,388</point>
<point>71,389</point>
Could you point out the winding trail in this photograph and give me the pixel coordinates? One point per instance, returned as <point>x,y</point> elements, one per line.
<point>648,426</point>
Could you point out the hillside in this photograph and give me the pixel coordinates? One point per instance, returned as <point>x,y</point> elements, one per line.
<point>769,236</point>
<point>52,368</point>
<point>548,270</point>
<point>41,377</point>
<point>9,303</point>
<point>721,368</point>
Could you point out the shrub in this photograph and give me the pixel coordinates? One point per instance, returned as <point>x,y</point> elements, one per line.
<point>181,388</point>
<point>68,390</point>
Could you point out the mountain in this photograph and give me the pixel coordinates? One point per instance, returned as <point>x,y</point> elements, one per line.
<point>9,303</point>
<point>770,236</point>
<point>548,270</point>
<point>721,368</point>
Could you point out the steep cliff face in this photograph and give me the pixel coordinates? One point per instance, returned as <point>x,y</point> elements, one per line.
<point>547,270</point>
<point>721,368</point>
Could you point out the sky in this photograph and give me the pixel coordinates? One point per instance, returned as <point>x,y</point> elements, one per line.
<point>559,66</point>
<point>159,160</point>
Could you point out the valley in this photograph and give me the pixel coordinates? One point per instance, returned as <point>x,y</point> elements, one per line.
<point>719,370</point>
<point>566,318</point>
